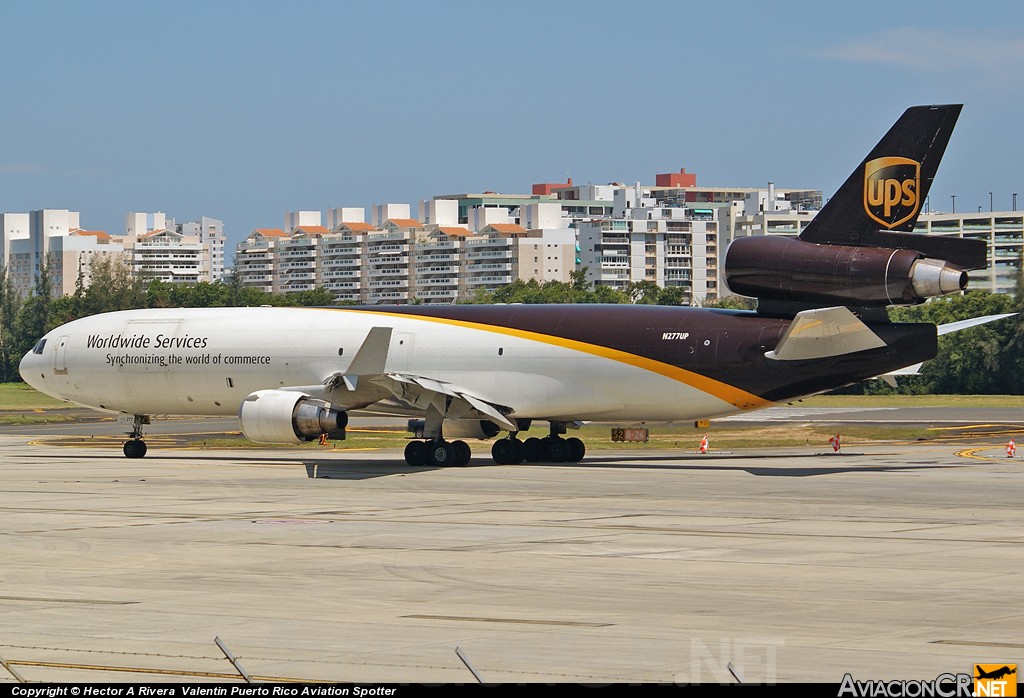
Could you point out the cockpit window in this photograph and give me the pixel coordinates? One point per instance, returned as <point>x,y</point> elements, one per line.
<point>38,348</point>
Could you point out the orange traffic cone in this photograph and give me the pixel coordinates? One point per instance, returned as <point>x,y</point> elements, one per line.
<point>704,444</point>
<point>835,443</point>
<point>1011,448</point>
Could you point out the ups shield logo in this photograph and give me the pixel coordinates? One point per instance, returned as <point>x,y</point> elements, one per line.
<point>891,190</point>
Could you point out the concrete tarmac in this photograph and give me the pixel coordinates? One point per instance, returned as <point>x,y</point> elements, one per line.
<point>895,562</point>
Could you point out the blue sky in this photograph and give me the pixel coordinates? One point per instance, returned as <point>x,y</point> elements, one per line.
<point>245,110</point>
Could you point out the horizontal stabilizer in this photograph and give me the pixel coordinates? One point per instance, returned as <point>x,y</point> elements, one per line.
<point>945,328</point>
<point>970,322</point>
<point>966,253</point>
<point>824,332</point>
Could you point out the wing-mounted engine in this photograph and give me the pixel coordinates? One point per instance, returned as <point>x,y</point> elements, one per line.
<point>281,416</point>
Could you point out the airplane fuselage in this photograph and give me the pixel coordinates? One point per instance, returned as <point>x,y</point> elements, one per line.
<point>582,362</point>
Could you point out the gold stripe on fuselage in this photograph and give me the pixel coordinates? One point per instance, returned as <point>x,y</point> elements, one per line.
<point>723,391</point>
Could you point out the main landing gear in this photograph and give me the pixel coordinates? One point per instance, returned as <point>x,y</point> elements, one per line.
<point>553,448</point>
<point>550,449</point>
<point>437,453</point>
<point>135,447</point>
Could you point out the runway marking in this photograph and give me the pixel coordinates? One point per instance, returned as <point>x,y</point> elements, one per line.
<point>527,621</point>
<point>162,672</point>
<point>95,602</point>
<point>969,453</point>
<point>970,643</point>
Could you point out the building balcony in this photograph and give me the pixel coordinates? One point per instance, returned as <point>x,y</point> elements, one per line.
<point>389,271</point>
<point>448,269</point>
<point>336,262</point>
<point>335,285</point>
<point>489,280</point>
<point>434,246</point>
<point>453,281</point>
<point>353,273</point>
<point>490,267</point>
<point>438,294</point>
<point>388,283</point>
<point>375,239</point>
<point>489,254</point>
<point>388,297</point>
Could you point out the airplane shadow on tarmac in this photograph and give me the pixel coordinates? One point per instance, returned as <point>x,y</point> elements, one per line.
<point>354,469</point>
<point>333,469</point>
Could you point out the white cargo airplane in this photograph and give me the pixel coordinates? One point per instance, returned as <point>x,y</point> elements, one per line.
<point>292,374</point>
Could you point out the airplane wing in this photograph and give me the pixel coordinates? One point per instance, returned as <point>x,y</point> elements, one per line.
<point>368,372</point>
<point>451,401</point>
<point>945,328</point>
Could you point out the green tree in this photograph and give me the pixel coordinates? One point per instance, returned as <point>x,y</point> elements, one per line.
<point>643,292</point>
<point>10,305</point>
<point>33,319</point>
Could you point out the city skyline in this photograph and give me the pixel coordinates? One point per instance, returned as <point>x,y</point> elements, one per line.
<point>244,111</point>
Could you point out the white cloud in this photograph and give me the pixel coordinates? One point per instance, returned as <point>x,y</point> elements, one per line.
<point>935,50</point>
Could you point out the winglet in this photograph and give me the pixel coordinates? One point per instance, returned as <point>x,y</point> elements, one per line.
<point>372,357</point>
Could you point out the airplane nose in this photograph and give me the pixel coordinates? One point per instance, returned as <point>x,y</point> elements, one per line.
<point>31,368</point>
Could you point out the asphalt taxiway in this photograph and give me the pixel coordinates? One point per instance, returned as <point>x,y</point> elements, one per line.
<point>890,561</point>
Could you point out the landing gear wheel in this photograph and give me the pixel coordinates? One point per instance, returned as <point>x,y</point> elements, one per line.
<point>507,451</point>
<point>462,453</point>
<point>136,448</point>
<point>533,450</point>
<point>416,454</point>
<point>575,450</point>
<point>555,449</point>
<point>440,454</point>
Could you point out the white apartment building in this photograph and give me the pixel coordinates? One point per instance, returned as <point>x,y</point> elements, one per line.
<point>505,252</point>
<point>301,219</point>
<point>404,260</point>
<point>298,257</point>
<point>73,254</point>
<point>210,232</point>
<point>389,276</point>
<point>28,241</point>
<point>342,257</point>
<point>669,246</point>
<point>13,226</point>
<point>436,259</point>
<point>255,262</point>
<point>170,256</point>
<point>158,248</point>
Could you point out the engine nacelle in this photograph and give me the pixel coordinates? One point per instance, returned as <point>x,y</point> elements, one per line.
<point>280,417</point>
<point>469,429</point>
<point>788,269</point>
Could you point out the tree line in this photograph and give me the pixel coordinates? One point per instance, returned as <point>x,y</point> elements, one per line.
<point>988,359</point>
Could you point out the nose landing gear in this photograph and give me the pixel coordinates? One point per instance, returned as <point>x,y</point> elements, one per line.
<point>135,447</point>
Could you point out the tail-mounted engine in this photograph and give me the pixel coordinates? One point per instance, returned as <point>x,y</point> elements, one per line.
<point>280,416</point>
<point>789,269</point>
